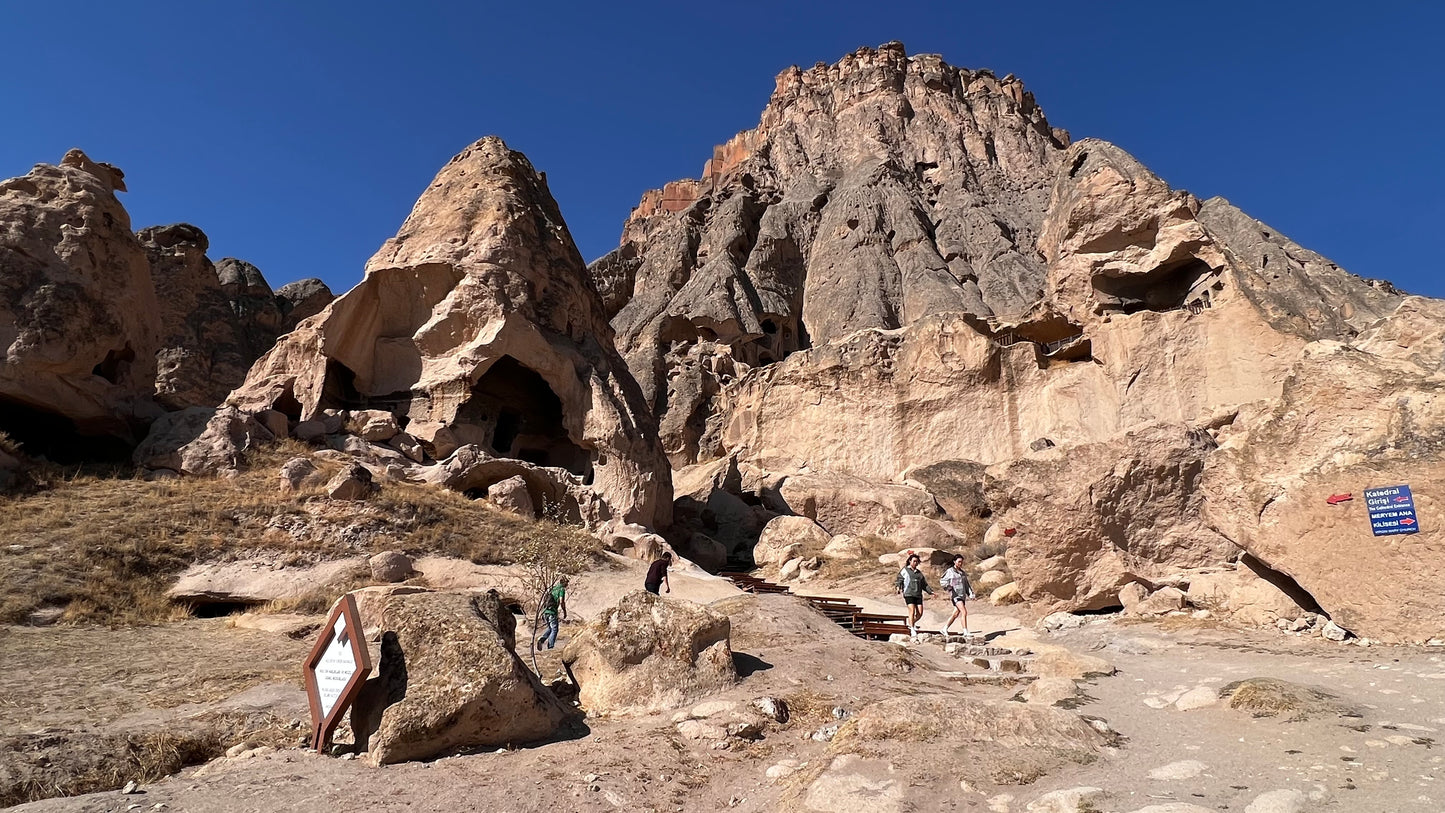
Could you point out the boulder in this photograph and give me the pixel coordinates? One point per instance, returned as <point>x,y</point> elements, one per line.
<point>702,550</point>
<point>409,446</point>
<point>199,440</point>
<point>649,653</point>
<point>993,563</point>
<point>990,580</point>
<point>1243,596</point>
<point>449,679</point>
<point>482,311</point>
<point>309,431</point>
<point>844,546</point>
<point>275,422</point>
<point>1131,594</point>
<point>390,566</point>
<point>784,538</point>
<point>790,569</point>
<point>351,483</point>
<point>372,425</point>
<point>1163,601</point>
<point>511,495</point>
<point>1095,517</point>
<point>851,505</point>
<point>1003,596</point>
<point>915,531</point>
<point>300,473</point>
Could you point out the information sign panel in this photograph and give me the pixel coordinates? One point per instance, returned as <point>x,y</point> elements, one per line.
<point>1392,510</point>
<point>335,669</point>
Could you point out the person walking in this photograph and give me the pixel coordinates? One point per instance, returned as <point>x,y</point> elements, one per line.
<point>913,584</point>
<point>955,581</point>
<point>553,602</point>
<point>657,575</point>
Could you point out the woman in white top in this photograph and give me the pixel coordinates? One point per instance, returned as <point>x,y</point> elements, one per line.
<point>955,581</point>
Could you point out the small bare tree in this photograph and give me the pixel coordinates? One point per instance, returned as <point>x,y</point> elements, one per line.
<point>547,554</point>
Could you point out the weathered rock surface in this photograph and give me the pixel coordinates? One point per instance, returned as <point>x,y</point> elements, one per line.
<point>1347,420</point>
<point>81,323</point>
<point>301,300</point>
<point>649,654</point>
<point>479,317</point>
<point>785,538</point>
<point>449,679</point>
<point>1093,518</point>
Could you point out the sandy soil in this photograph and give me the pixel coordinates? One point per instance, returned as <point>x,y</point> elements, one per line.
<point>1211,756</point>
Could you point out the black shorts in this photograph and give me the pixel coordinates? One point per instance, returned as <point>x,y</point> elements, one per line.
<point>916,600</point>
<point>959,597</point>
<point>652,587</point>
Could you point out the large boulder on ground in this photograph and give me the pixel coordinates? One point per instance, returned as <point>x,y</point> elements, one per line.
<point>200,440</point>
<point>784,538</point>
<point>449,679</point>
<point>511,495</point>
<point>649,653</point>
<point>1096,517</point>
<point>479,316</point>
<point>1246,594</point>
<point>1348,420</point>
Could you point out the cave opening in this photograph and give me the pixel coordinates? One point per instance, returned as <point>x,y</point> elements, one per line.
<point>1168,288</point>
<point>115,367</point>
<point>41,433</point>
<point>513,411</point>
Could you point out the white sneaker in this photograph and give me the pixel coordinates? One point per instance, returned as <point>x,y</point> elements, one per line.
<point>943,631</point>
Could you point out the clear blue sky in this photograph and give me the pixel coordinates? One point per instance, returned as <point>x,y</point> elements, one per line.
<point>298,134</point>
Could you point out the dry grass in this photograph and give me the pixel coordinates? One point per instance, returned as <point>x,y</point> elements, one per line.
<point>104,547</point>
<point>41,766</point>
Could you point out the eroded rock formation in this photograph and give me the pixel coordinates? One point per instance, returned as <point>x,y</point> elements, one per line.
<point>905,278</point>
<point>104,329</point>
<point>478,327</point>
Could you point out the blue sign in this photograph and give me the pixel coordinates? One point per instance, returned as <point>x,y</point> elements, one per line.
<point>1392,510</point>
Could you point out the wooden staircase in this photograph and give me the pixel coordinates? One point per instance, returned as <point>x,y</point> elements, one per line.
<point>849,616</point>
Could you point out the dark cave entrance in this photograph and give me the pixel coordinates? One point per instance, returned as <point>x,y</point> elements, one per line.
<point>1167,288</point>
<point>512,410</point>
<point>41,433</point>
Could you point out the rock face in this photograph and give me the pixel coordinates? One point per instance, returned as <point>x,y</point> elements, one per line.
<point>105,330</point>
<point>449,679</point>
<point>81,325</point>
<point>1093,518</point>
<point>478,321</point>
<point>649,654</point>
<point>905,278</point>
<point>872,193</point>
<point>1348,420</point>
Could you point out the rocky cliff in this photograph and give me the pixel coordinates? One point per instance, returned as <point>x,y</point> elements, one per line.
<point>105,329</point>
<point>477,331</point>
<point>905,269</point>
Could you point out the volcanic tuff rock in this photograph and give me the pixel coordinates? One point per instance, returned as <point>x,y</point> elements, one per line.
<point>479,321</point>
<point>105,329</point>
<point>1348,420</point>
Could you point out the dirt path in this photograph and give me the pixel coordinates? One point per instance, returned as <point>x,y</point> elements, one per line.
<point>1210,756</point>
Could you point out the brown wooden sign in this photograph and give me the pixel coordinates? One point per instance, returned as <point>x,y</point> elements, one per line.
<point>335,669</point>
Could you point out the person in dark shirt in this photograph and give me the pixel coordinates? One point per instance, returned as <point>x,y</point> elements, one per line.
<point>657,575</point>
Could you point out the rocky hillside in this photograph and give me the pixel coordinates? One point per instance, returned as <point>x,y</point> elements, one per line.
<point>906,295</point>
<point>106,329</point>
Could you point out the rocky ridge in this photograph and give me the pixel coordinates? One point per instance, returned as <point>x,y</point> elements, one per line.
<point>109,329</point>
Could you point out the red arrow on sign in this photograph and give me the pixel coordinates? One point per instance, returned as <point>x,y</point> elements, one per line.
<point>1402,499</point>
<point>1336,499</point>
<point>1407,521</point>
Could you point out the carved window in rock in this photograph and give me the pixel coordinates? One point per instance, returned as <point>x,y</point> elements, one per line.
<point>513,412</point>
<point>1188,284</point>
